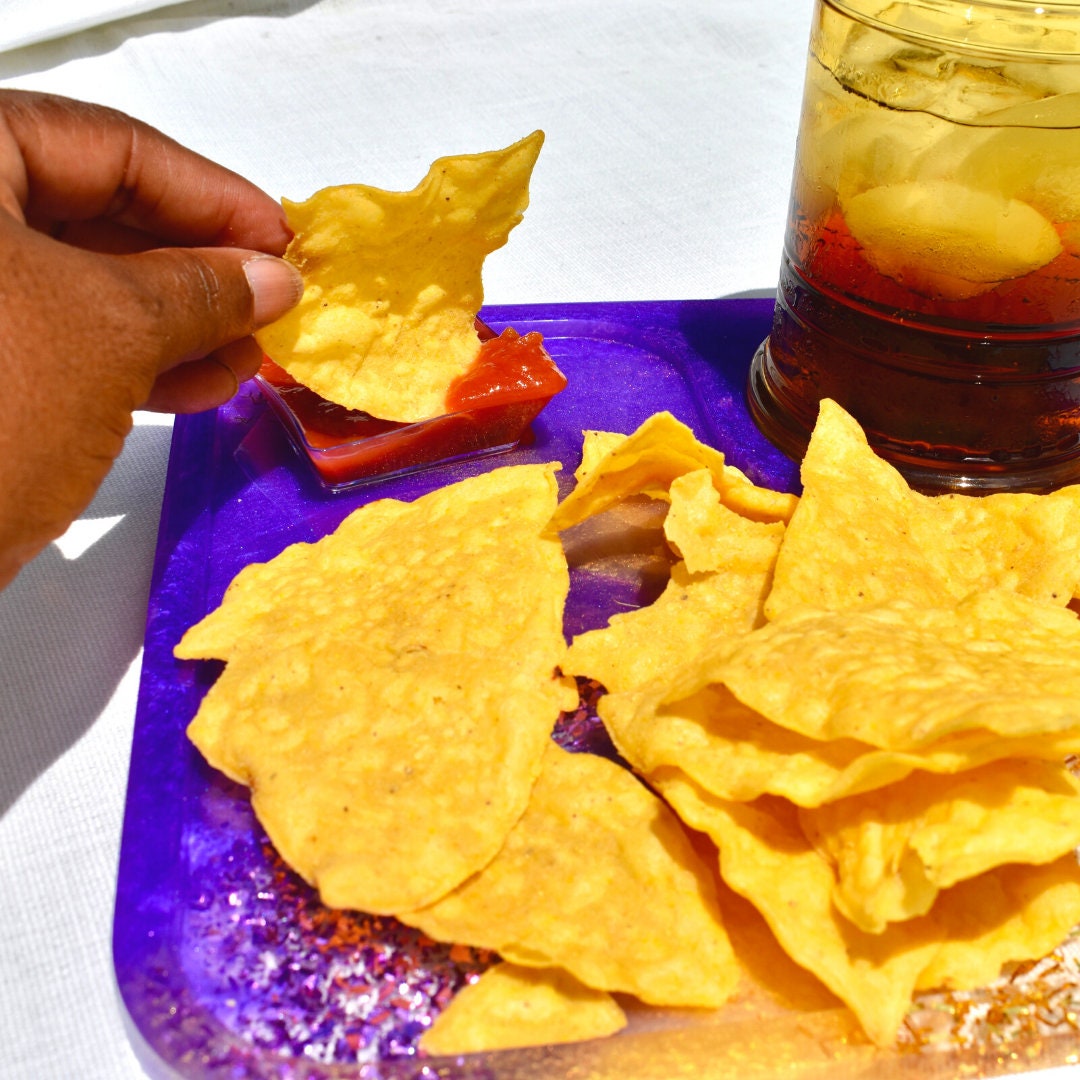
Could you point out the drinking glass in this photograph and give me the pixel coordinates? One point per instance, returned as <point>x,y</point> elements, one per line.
<point>930,278</point>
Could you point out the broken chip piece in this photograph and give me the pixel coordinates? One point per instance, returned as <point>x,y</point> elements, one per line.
<point>511,1006</point>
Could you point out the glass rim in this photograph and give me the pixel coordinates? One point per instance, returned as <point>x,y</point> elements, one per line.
<point>1041,17</point>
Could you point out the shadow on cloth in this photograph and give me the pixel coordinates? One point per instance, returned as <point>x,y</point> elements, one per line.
<point>175,18</point>
<point>69,630</point>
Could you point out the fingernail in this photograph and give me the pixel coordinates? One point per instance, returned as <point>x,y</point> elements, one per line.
<point>275,284</point>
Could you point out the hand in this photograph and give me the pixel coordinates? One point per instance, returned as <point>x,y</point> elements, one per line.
<point>133,273</point>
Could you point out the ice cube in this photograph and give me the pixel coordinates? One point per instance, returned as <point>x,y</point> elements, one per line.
<point>942,237</point>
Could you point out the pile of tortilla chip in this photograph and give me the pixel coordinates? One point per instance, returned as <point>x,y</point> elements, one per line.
<point>389,696</point>
<point>862,699</point>
<point>866,700</point>
<point>392,282</point>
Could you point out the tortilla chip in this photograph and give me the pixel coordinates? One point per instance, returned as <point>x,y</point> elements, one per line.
<point>710,537</point>
<point>861,536</point>
<point>734,753</point>
<point>393,282</point>
<point>511,1006</point>
<point>717,593</point>
<point>601,879</point>
<point>647,461</point>
<point>649,643</point>
<point>595,446</point>
<point>1010,914</point>
<point>766,859</point>
<point>901,677</point>
<point>383,696</point>
<point>895,849</point>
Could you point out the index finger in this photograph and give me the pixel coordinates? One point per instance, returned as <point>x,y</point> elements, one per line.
<point>66,160</point>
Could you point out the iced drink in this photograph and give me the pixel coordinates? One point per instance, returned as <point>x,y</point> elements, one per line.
<point>930,279</point>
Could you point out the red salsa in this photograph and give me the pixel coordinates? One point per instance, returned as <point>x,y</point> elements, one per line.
<point>489,408</point>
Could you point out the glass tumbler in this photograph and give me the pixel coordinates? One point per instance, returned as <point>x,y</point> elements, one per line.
<point>930,278</point>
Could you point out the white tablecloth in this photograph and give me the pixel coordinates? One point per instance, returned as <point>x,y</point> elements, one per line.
<point>670,135</point>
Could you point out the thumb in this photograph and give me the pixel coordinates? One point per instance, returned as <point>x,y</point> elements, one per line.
<point>85,338</point>
<point>193,301</point>
<point>276,286</point>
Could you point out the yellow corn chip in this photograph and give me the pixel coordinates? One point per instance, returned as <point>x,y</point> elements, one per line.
<point>765,858</point>
<point>380,677</point>
<point>393,282</point>
<point>1007,915</point>
<point>757,503</point>
<point>647,461</point>
<point>267,590</point>
<point>765,965</point>
<point>599,878</point>
<point>901,677</point>
<point>709,536</point>
<point>511,1006</point>
<point>860,535</point>
<point>735,753</point>
<point>693,611</point>
<point>895,849</point>
<point>720,597</point>
<point>595,446</point>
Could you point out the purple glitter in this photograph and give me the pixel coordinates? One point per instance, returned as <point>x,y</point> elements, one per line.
<point>294,976</point>
<point>582,731</point>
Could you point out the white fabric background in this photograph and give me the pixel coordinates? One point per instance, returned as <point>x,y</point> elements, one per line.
<point>670,135</point>
<point>26,22</point>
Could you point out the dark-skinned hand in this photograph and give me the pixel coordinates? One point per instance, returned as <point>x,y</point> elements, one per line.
<point>132,274</point>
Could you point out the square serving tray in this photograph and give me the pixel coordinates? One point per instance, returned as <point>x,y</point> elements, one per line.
<point>227,965</point>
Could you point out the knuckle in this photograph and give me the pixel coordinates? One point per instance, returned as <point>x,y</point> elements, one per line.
<point>187,303</point>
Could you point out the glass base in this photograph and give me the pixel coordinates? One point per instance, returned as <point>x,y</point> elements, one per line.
<point>788,425</point>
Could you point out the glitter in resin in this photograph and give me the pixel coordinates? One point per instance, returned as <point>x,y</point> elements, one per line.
<point>1032,1002</point>
<point>298,978</point>
<point>581,731</point>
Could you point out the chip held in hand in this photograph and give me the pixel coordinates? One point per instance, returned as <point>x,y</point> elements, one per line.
<point>384,367</point>
<point>393,282</point>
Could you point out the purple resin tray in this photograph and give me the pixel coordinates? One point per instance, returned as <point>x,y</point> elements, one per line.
<point>227,964</point>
